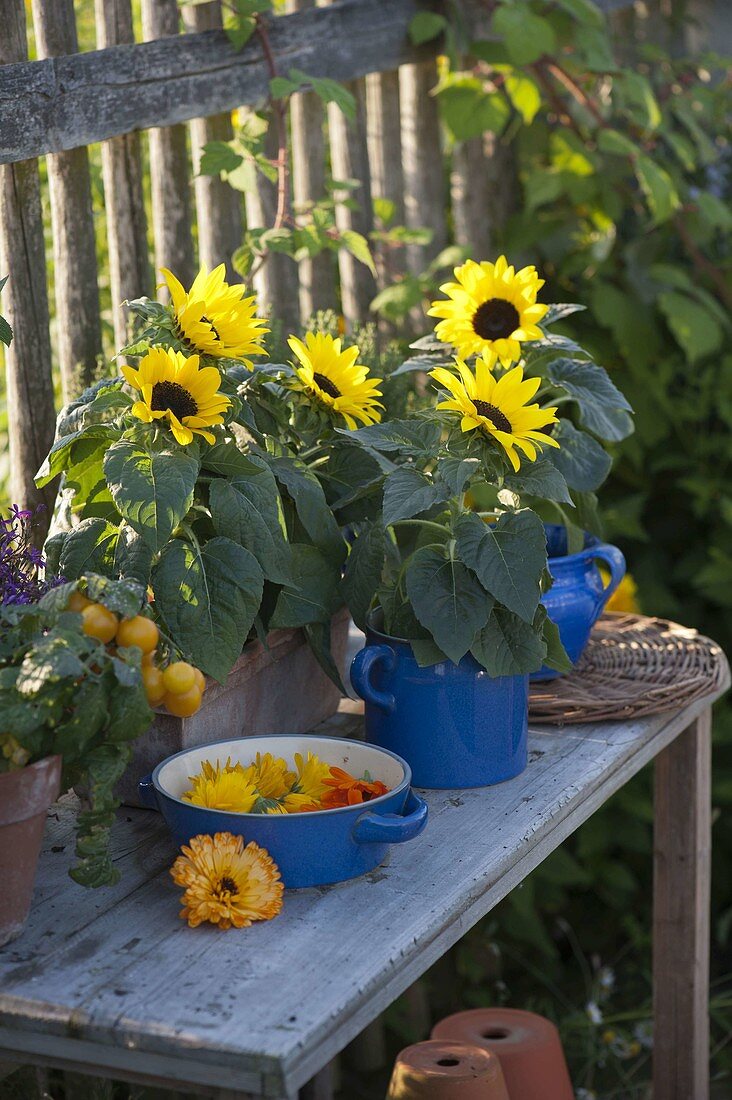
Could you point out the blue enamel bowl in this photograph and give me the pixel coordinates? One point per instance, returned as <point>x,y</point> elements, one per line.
<point>310,849</point>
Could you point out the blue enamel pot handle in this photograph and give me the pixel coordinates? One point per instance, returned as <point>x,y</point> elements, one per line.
<point>146,791</point>
<point>614,560</point>
<point>373,828</point>
<point>361,668</point>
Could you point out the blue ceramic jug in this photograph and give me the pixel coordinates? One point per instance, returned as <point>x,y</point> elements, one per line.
<point>578,595</point>
<point>455,725</point>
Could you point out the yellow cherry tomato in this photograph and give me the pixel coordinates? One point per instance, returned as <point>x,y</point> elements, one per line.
<point>148,659</point>
<point>200,680</point>
<point>183,704</point>
<point>99,622</point>
<point>77,602</point>
<point>152,678</point>
<point>138,631</point>
<point>179,677</point>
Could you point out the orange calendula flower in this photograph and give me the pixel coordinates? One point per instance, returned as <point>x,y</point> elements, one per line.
<point>345,790</point>
<point>226,883</point>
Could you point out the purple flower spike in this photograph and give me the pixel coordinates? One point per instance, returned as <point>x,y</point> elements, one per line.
<point>22,565</point>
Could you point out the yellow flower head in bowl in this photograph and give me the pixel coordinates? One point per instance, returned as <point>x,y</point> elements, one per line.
<point>226,883</point>
<point>216,319</point>
<point>229,788</point>
<point>175,388</point>
<point>491,308</point>
<point>333,375</point>
<point>499,407</point>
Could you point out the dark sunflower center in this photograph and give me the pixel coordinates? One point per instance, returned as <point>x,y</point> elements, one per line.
<point>326,385</point>
<point>214,330</point>
<point>228,884</point>
<point>495,319</point>
<point>499,421</point>
<point>173,396</point>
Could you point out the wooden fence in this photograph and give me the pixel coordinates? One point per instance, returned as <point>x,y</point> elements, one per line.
<point>180,85</point>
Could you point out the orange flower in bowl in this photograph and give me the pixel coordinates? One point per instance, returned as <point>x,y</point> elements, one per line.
<point>345,790</point>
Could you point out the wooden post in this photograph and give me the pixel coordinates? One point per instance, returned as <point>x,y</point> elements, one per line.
<point>276,280</point>
<point>169,168</point>
<point>129,264</point>
<point>349,160</point>
<point>74,244</point>
<point>425,197</point>
<point>218,205</point>
<point>29,384</point>
<point>307,120</point>
<point>385,161</point>
<point>484,188</point>
<point>681,887</point>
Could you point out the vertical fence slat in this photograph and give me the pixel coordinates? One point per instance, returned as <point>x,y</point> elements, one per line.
<point>349,160</point>
<point>276,281</point>
<point>218,206</point>
<point>29,388</point>
<point>424,184</point>
<point>484,188</point>
<point>74,244</point>
<point>384,138</point>
<point>129,263</point>
<point>307,118</point>
<point>169,167</point>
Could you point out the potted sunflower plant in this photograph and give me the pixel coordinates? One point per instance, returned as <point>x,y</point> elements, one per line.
<point>451,580</point>
<point>201,474</point>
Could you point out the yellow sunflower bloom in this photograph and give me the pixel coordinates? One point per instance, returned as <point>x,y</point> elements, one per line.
<point>226,788</point>
<point>215,318</point>
<point>491,309</point>
<point>335,378</point>
<point>226,883</point>
<point>173,387</point>
<point>498,406</point>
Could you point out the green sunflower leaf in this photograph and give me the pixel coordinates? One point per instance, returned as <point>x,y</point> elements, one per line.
<point>582,461</point>
<point>311,506</point>
<point>508,645</point>
<point>248,511</point>
<point>508,557</point>
<point>313,595</point>
<point>540,479</point>
<point>603,408</point>
<point>448,600</point>
<point>152,490</point>
<point>362,575</point>
<point>88,547</point>
<point>408,493</point>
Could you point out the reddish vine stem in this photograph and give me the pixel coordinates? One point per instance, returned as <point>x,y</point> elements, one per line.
<point>279,107</point>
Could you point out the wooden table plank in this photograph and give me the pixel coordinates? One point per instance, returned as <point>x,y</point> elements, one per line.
<point>113,977</point>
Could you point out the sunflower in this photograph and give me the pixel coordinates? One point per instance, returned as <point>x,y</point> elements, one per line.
<point>174,388</point>
<point>491,308</point>
<point>226,883</point>
<point>228,788</point>
<point>336,379</point>
<point>499,406</point>
<point>214,318</point>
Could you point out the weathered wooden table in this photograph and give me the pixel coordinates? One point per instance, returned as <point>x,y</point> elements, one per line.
<point>111,982</point>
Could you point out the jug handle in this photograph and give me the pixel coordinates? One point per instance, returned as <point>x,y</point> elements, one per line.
<point>361,668</point>
<point>615,561</point>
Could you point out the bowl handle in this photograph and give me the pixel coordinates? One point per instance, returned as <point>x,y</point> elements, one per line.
<point>147,794</point>
<point>614,560</point>
<point>361,668</point>
<point>371,828</point>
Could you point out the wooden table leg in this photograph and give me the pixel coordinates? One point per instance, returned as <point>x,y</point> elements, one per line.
<point>681,880</point>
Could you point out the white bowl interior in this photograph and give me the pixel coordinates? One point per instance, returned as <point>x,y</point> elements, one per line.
<point>174,777</point>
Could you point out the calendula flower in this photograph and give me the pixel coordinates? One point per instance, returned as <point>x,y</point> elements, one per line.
<point>226,883</point>
<point>498,406</point>
<point>225,788</point>
<point>491,309</point>
<point>271,776</point>
<point>216,319</point>
<point>333,376</point>
<point>345,790</point>
<point>174,387</point>
<point>309,786</point>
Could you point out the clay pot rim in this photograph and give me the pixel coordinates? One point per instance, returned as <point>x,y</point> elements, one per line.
<point>45,796</point>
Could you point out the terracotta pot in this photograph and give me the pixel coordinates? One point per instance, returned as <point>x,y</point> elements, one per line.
<point>527,1045</point>
<point>446,1070</point>
<point>280,689</point>
<point>25,796</point>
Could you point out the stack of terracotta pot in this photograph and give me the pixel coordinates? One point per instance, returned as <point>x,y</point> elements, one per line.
<point>485,1054</point>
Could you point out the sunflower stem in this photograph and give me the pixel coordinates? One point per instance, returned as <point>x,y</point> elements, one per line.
<point>419,523</point>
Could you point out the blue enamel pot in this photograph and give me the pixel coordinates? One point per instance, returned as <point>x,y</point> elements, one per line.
<point>310,849</point>
<point>578,595</point>
<point>455,725</point>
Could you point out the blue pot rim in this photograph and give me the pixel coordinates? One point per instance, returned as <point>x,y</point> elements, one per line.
<point>361,807</point>
<point>588,553</point>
